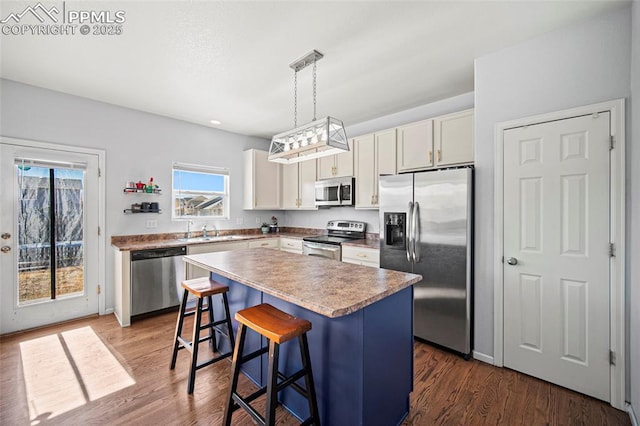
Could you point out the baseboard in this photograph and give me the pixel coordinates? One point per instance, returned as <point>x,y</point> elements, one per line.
<point>483,357</point>
<point>108,311</point>
<point>632,415</point>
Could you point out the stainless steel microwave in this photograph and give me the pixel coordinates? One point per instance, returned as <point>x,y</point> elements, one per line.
<point>336,192</point>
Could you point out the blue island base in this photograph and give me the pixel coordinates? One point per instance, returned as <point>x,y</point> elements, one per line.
<point>362,362</point>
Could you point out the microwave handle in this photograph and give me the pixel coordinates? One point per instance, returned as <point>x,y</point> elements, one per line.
<point>339,193</point>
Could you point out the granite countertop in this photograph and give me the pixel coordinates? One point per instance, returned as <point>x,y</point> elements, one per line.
<point>327,287</point>
<point>154,241</point>
<point>133,244</point>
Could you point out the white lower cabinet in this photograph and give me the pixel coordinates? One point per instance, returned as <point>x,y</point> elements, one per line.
<point>291,245</point>
<point>361,256</point>
<point>264,242</point>
<point>194,271</point>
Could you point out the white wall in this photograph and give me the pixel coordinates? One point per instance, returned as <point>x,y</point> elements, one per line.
<point>138,145</point>
<point>319,219</point>
<point>634,186</point>
<point>578,65</point>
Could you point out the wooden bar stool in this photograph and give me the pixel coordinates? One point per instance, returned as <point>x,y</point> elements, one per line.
<point>278,327</point>
<point>201,288</point>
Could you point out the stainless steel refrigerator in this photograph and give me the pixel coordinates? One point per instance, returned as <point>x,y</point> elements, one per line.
<point>426,228</point>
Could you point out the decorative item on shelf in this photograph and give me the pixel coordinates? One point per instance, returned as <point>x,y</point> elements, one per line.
<point>265,228</point>
<point>319,138</point>
<point>273,228</point>
<point>149,188</point>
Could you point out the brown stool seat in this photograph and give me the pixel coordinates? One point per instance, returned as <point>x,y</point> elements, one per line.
<point>272,323</point>
<point>203,287</point>
<point>277,327</point>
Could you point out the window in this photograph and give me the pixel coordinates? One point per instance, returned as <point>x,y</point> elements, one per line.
<point>200,192</point>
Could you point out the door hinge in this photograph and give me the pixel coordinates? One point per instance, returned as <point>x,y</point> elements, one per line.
<point>612,358</point>
<point>611,142</point>
<point>99,289</point>
<point>99,231</point>
<point>99,172</point>
<point>612,250</point>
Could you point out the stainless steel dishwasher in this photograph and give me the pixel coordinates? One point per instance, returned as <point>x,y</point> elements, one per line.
<point>156,275</point>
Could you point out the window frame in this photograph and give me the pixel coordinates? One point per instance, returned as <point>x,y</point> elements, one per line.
<point>199,168</point>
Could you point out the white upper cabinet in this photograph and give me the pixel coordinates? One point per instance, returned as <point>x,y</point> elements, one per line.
<point>298,185</point>
<point>453,138</point>
<point>374,155</point>
<point>261,181</point>
<point>415,146</point>
<point>339,165</point>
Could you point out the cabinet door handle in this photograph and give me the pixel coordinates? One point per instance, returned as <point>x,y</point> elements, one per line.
<point>361,255</point>
<point>439,156</point>
<point>430,156</point>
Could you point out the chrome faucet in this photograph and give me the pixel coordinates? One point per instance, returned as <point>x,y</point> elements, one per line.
<point>189,223</point>
<point>204,231</point>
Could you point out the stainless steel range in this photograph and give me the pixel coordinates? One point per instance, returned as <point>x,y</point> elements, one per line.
<point>329,246</point>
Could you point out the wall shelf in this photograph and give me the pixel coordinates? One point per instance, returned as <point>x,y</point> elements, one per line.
<point>130,211</point>
<point>141,191</point>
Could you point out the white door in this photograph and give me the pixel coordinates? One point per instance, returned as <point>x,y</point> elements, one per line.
<point>556,252</point>
<point>49,203</point>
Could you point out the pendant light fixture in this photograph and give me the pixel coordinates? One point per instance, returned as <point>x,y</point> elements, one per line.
<point>319,138</point>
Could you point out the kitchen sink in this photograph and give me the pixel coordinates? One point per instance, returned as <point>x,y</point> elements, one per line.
<point>212,239</point>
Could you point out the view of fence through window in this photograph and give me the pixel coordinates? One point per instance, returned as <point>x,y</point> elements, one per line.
<point>199,192</point>
<point>50,243</point>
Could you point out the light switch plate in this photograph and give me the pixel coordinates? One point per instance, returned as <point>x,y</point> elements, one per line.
<point>152,223</point>
<point>239,220</point>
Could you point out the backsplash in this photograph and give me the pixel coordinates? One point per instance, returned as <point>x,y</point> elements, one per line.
<point>319,218</point>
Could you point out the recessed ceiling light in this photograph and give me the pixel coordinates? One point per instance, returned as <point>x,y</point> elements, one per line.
<point>215,122</point>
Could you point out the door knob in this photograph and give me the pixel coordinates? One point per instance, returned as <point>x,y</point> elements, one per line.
<point>5,249</point>
<point>512,261</point>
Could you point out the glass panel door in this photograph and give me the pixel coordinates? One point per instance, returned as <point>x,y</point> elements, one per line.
<point>49,243</point>
<point>50,232</point>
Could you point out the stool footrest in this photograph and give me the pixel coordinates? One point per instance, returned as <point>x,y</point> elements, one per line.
<point>213,360</point>
<point>243,403</point>
<point>253,355</point>
<point>213,324</point>
<point>291,381</point>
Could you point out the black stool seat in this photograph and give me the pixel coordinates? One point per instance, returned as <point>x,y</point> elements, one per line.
<point>277,327</point>
<point>201,288</point>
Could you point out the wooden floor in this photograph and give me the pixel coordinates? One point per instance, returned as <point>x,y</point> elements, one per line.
<point>133,384</point>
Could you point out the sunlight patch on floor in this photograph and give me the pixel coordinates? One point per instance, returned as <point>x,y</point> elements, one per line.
<point>66,370</point>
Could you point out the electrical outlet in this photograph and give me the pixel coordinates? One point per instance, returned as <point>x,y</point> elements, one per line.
<point>239,221</point>
<point>152,223</point>
<point>258,220</point>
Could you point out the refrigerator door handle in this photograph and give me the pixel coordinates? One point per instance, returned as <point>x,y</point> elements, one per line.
<point>416,232</point>
<point>408,238</point>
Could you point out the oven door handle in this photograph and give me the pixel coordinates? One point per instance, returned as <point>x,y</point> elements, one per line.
<point>408,238</point>
<point>327,247</point>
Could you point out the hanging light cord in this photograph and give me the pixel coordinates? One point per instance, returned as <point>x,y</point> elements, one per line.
<point>314,89</point>
<point>295,99</point>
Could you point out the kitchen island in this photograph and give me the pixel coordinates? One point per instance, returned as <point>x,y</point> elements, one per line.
<point>361,343</point>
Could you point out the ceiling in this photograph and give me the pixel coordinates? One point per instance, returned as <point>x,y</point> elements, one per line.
<point>229,61</point>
